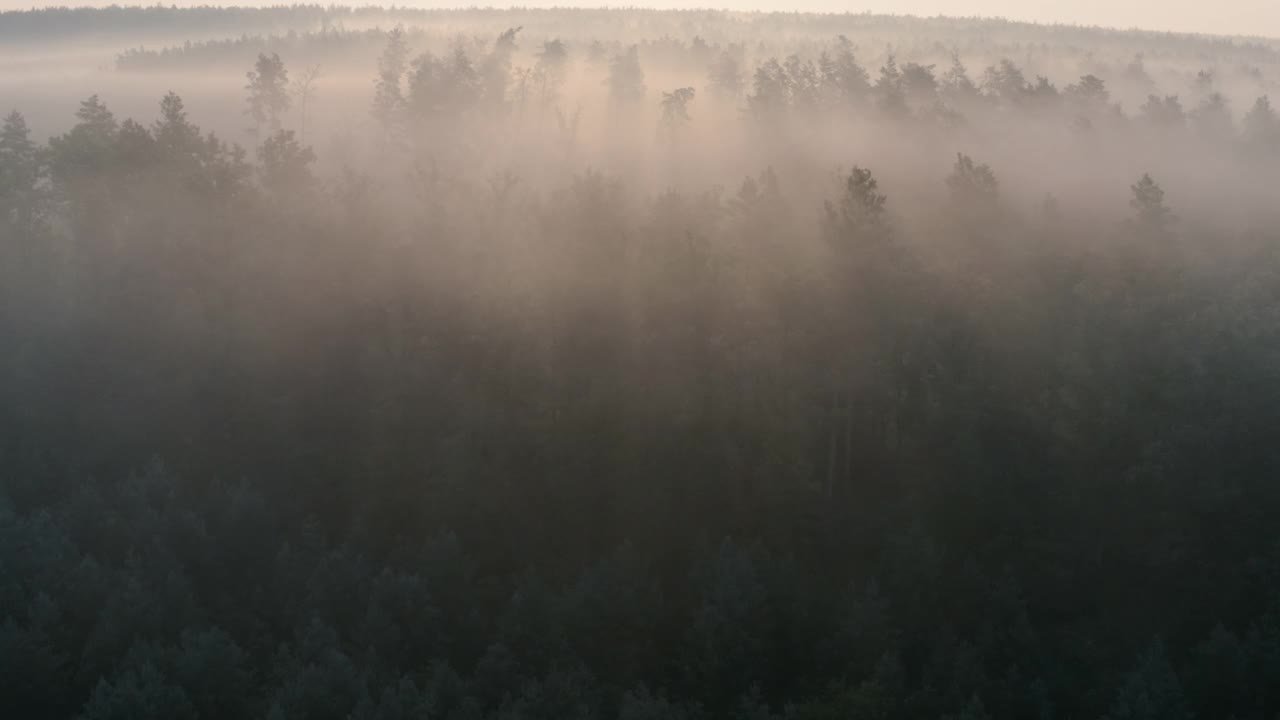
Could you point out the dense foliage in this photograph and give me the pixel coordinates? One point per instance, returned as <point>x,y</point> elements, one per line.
<point>419,441</point>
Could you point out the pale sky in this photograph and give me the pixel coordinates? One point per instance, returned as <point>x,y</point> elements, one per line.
<point>1248,17</point>
<point>1251,17</point>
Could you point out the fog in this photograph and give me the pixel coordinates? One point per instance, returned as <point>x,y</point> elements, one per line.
<point>1035,153</point>
<point>1229,17</point>
<point>640,363</point>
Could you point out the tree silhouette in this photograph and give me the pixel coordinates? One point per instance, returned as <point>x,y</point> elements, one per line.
<point>1152,691</point>
<point>626,78</point>
<point>858,216</point>
<point>919,85</point>
<point>847,81</point>
<point>675,112</point>
<point>771,92</point>
<point>1005,82</point>
<point>175,136</point>
<point>1153,216</point>
<point>1136,75</point>
<point>1090,94</point>
<point>1212,118</point>
<point>725,77</point>
<point>388,98</point>
<point>286,163</point>
<point>1164,112</point>
<point>975,193</point>
<point>956,86</point>
<point>19,173</point>
<point>1261,126</point>
<point>890,93</point>
<point>495,69</point>
<point>443,89</point>
<point>88,147</point>
<point>268,90</point>
<point>553,61</point>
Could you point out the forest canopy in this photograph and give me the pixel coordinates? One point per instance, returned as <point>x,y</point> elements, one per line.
<point>379,363</point>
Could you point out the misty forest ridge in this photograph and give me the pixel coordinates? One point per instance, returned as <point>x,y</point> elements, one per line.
<point>482,364</point>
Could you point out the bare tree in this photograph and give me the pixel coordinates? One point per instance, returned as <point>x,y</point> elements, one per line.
<point>304,89</point>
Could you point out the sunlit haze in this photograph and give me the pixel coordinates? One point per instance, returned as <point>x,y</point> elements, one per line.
<point>1243,17</point>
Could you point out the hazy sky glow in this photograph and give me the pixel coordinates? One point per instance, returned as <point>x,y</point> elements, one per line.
<point>1261,17</point>
<point>1249,17</point>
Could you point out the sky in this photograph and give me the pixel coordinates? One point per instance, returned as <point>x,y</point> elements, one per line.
<point>1245,17</point>
<point>1249,17</point>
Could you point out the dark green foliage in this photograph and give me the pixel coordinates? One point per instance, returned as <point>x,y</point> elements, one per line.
<point>641,705</point>
<point>1151,691</point>
<point>143,694</point>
